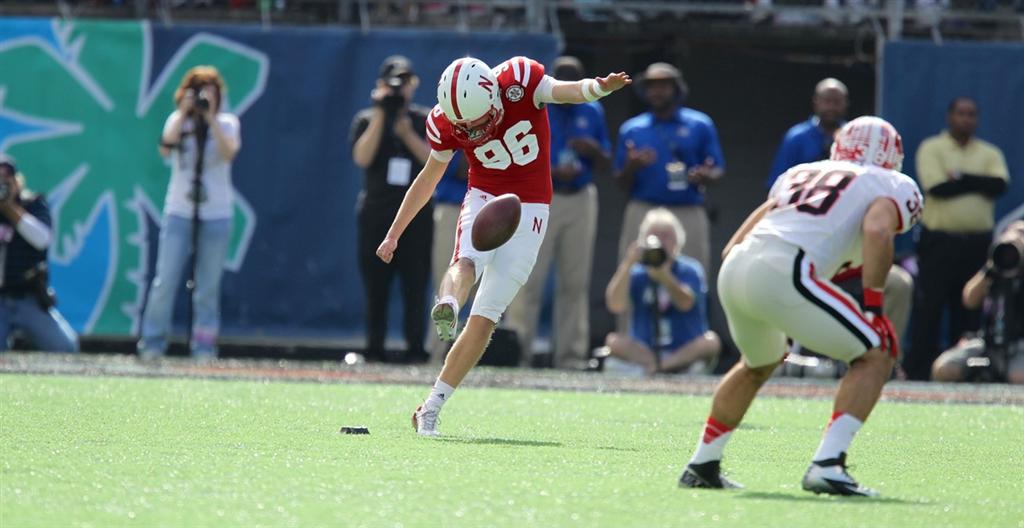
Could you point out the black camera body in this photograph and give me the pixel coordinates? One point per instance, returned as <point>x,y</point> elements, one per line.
<point>202,103</point>
<point>395,99</point>
<point>652,254</point>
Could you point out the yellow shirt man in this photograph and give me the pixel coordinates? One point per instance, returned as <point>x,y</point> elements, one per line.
<point>962,182</point>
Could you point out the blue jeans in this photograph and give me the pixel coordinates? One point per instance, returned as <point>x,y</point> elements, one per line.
<point>46,329</point>
<point>171,260</point>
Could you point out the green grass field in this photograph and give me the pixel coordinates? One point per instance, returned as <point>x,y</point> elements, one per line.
<point>80,451</point>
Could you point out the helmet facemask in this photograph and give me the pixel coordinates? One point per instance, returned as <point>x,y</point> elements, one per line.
<point>482,133</point>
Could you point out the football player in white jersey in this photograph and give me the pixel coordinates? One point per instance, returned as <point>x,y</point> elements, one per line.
<point>773,283</point>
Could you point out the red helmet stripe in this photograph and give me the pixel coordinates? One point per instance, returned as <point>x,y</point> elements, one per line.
<point>455,91</point>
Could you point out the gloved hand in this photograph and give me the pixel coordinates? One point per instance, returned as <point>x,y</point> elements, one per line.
<point>873,300</point>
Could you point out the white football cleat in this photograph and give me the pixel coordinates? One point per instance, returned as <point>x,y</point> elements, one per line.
<point>830,476</point>
<point>424,421</point>
<point>446,320</point>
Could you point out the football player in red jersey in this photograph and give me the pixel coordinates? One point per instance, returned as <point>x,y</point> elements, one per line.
<point>498,118</point>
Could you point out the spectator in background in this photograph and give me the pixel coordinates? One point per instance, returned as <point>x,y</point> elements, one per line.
<point>26,301</point>
<point>811,140</point>
<point>178,144</point>
<point>667,302</point>
<point>962,176</point>
<point>665,158</point>
<point>388,144</point>
<point>579,146</point>
<point>998,290</point>
<point>448,198</point>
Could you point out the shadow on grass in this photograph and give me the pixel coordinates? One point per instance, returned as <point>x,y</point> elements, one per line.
<point>500,442</point>
<point>809,497</point>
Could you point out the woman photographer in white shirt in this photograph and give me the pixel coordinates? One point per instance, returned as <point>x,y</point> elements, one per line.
<point>198,100</point>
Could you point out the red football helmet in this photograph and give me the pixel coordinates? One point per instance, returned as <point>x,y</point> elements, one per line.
<point>470,98</point>
<point>869,140</point>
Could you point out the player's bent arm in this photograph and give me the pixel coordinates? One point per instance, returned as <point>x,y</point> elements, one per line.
<point>417,196</point>
<point>879,227</point>
<point>975,290</point>
<point>748,224</point>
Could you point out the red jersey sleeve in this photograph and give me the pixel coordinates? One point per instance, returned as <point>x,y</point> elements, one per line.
<point>439,131</point>
<point>519,78</point>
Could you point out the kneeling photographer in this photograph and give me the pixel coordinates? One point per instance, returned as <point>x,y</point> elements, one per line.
<point>997,353</point>
<point>666,295</point>
<point>27,304</point>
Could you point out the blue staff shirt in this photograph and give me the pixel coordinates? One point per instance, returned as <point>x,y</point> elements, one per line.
<point>451,189</point>
<point>803,143</point>
<point>677,327</point>
<point>688,136</point>
<point>569,121</point>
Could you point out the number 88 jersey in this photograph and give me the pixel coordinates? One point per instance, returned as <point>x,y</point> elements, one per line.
<point>517,159</point>
<point>820,207</point>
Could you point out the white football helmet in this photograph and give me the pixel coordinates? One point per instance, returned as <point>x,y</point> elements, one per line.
<point>468,91</point>
<point>869,140</point>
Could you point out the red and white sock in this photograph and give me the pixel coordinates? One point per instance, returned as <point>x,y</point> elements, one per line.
<point>838,435</point>
<point>712,442</point>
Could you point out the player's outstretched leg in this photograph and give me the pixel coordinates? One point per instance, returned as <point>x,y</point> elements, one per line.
<point>451,295</point>
<point>461,358</point>
<point>733,397</point>
<point>858,392</point>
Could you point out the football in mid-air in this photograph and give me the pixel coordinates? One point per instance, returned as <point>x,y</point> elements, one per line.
<point>496,222</point>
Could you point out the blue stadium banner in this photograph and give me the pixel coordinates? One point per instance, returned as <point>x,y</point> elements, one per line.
<point>82,104</point>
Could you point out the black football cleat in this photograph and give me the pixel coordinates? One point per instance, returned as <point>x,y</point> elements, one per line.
<point>706,475</point>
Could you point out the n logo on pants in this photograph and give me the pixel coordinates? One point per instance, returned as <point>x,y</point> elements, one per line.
<point>537,224</point>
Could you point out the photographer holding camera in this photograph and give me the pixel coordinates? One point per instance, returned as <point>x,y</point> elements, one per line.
<point>199,197</point>
<point>388,144</point>
<point>997,354</point>
<point>26,300</point>
<point>667,293</point>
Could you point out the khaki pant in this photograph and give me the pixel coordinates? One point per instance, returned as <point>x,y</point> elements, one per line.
<point>569,244</point>
<point>698,237</point>
<point>446,219</point>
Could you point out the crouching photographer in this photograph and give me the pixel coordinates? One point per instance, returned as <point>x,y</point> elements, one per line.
<point>27,304</point>
<point>666,295</point>
<point>997,353</point>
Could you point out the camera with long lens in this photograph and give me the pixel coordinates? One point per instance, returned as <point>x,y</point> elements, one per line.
<point>652,253</point>
<point>1008,255</point>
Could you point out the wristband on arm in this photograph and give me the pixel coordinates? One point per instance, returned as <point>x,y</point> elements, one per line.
<point>592,90</point>
<point>873,300</point>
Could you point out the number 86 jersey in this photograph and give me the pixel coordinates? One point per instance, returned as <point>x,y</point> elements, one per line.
<point>517,159</point>
<point>820,207</point>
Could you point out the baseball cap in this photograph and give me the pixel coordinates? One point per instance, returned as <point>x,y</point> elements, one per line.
<point>395,66</point>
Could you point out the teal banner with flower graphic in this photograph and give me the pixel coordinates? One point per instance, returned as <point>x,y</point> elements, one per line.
<point>82,104</point>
